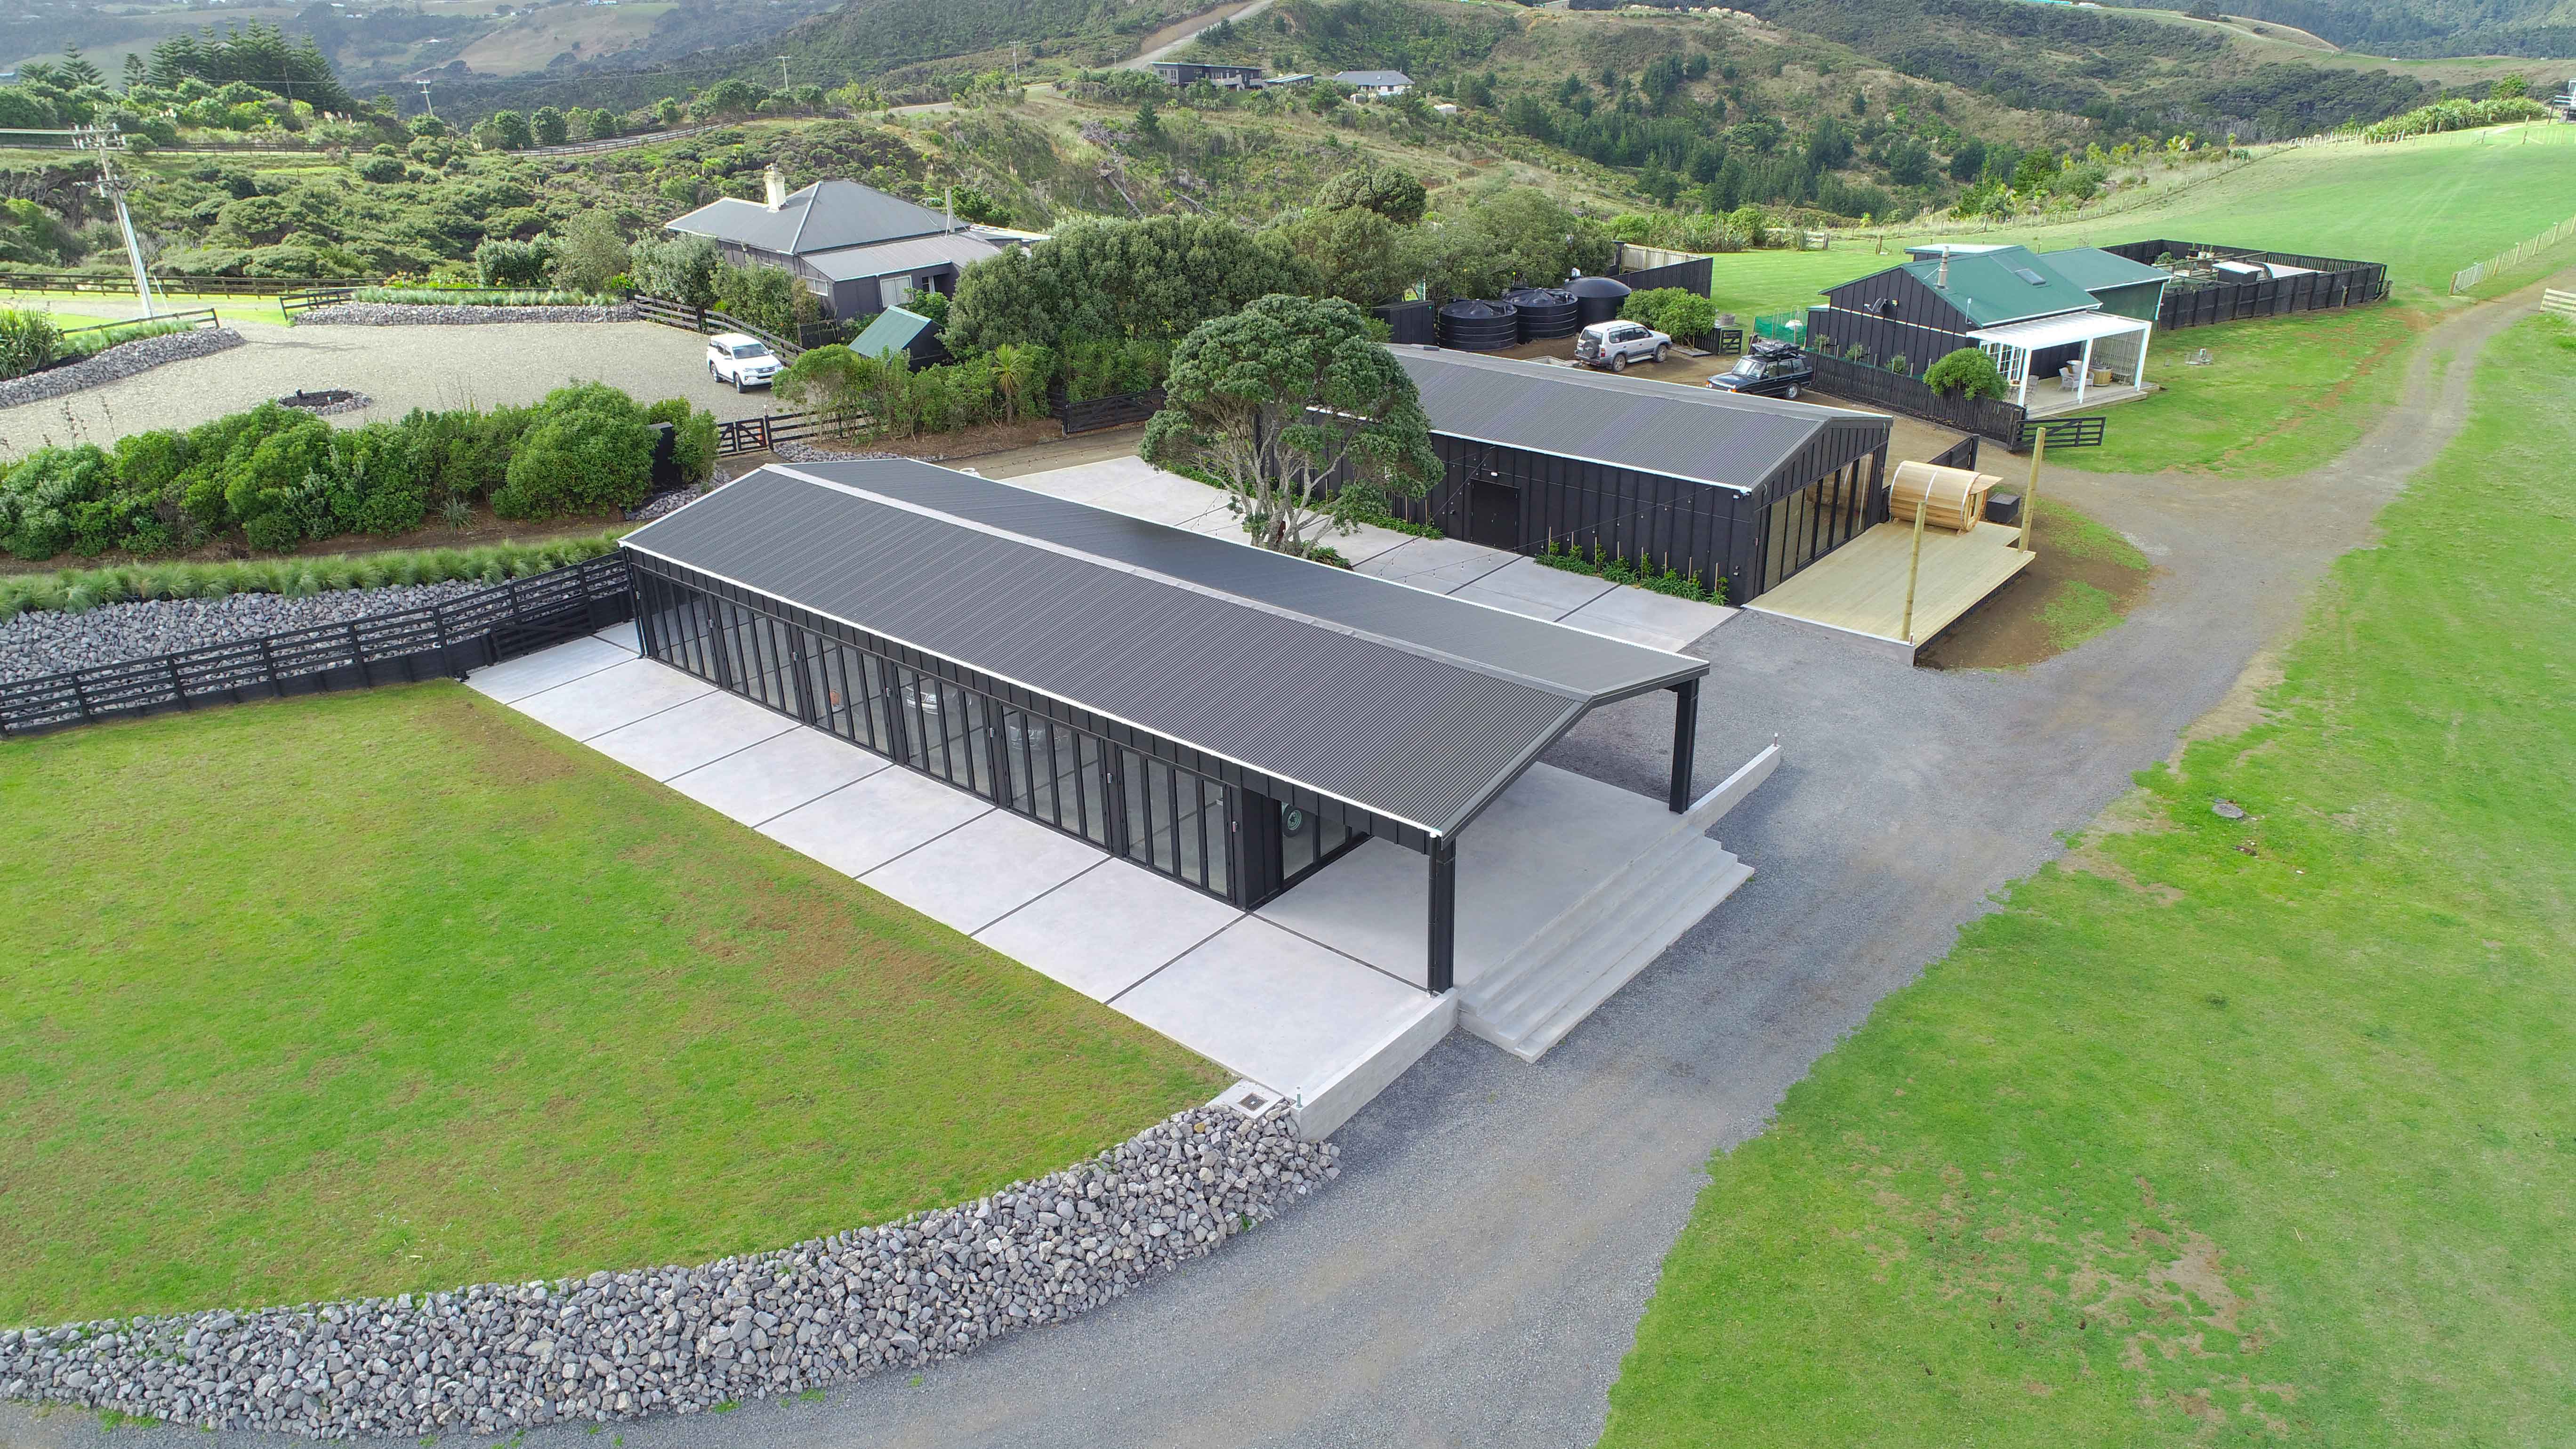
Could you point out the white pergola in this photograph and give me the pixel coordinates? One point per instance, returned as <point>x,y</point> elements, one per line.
<point>2121,342</point>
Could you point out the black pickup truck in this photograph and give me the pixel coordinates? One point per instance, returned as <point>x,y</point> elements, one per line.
<point>1771,369</point>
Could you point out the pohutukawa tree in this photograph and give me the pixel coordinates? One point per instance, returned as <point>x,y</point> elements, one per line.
<point>1305,419</point>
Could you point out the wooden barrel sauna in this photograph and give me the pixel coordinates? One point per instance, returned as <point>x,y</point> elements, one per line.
<point>1949,498</point>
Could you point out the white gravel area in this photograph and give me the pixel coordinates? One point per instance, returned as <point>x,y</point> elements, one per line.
<point>45,641</point>
<point>114,364</point>
<point>400,367</point>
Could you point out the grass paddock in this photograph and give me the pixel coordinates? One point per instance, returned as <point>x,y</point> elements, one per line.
<point>398,990</point>
<point>2221,1130</point>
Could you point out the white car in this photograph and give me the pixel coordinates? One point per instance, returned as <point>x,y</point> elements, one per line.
<point>1616,344</point>
<point>740,360</point>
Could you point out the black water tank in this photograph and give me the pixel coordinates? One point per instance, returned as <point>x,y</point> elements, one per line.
<point>1546,312</point>
<point>1598,298</point>
<point>1475,326</point>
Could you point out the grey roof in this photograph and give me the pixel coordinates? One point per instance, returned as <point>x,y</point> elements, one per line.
<point>824,215</point>
<point>1373,78</point>
<point>1697,434</point>
<point>896,258</point>
<point>1404,703</point>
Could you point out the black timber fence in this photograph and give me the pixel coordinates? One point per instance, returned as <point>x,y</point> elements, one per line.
<point>1117,410</point>
<point>1695,276</point>
<point>290,303</point>
<point>2201,295</point>
<point>1961,454</point>
<point>486,627</point>
<point>738,436</point>
<point>1837,330</point>
<point>1877,387</point>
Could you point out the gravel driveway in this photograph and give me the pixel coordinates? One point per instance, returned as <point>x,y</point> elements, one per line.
<point>400,367</point>
<point>1479,1270</point>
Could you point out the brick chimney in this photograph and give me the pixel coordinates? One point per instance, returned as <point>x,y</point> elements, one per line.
<point>775,184</point>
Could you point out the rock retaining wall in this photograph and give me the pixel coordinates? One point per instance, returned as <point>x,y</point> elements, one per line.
<point>497,1357</point>
<point>47,641</point>
<point>422,314</point>
<point>114,364</point>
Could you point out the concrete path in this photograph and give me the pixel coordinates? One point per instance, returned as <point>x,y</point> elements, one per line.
<point>1477,1273</point>
<point>1489,576</point>
<point>1284,1010</point>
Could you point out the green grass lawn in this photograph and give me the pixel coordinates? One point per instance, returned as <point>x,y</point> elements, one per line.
<point>2227,1130</point>
<point>399,990</point>
<point>2278,396</point>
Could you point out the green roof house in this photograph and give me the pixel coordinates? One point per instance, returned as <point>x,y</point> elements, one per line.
<point>2031,313</point>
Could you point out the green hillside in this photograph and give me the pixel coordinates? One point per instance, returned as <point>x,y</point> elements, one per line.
<point>2424,27</point>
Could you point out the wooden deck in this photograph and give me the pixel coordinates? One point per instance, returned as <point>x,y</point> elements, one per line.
<point>1859,588</point>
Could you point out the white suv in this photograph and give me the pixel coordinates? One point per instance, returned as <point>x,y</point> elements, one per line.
<point>1616,344</point>
<point>740,360</point>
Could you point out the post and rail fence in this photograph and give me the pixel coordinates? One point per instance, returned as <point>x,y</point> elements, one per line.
<point>486,627</point>
<point>2514,256</point>
<point>122,284</point>
<point>201,317</point>
<point>709,320</point>
<point>737,436</point>
<point>290,303</point>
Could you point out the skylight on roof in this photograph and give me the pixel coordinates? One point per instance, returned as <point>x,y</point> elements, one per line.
<point>2027,275</point>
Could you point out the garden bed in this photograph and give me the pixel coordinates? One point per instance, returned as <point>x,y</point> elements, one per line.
<point>115,364</point>
<point>52,641</point>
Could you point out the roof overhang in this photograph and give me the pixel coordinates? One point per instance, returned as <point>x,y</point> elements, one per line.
<point>2061,331</point>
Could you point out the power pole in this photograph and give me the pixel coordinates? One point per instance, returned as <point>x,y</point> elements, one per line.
<point>105,140</point>
<point>782,72</point>
<point>424,101</point>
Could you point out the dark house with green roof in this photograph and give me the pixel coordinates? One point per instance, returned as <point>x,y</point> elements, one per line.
<point>2034,314</point>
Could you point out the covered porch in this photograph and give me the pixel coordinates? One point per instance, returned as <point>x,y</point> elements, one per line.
<point>2092,341</point>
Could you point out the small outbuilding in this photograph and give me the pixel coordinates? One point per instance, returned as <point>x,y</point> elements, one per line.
<point>1690,480</point>
<point>898,333</point>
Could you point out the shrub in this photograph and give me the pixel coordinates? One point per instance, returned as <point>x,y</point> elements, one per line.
<point>277,490</point>
<point>380,169</point>
<point>89,588</point>
<point>28,340</point>
<point>1899,364</point>
<point>500,262</point>
<point>1682,315</point>
<point>58,499</point>
<point>678,269</point>
<point>589,450</point>
<point>1968,372</point>
<point>693,436</point>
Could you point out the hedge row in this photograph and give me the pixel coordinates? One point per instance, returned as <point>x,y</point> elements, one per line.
<point>80,590</point>
<point>276,477</point>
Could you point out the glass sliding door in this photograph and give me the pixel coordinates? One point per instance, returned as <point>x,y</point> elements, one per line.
<point>1177,822</point>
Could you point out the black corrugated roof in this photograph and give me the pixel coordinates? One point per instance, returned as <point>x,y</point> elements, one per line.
<point>1404,703</point>
<point>1693,433</point>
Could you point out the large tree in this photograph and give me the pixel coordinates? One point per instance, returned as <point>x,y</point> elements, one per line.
<point>1153,279</point>
<point>1307,422</point>
<point>1357,253</point>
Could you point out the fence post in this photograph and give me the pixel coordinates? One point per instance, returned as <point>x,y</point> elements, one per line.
<point>178,691</point>
<point>268,666</point>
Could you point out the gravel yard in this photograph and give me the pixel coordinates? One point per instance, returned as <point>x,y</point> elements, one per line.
<point>44,641</point>
<point>400,367</point>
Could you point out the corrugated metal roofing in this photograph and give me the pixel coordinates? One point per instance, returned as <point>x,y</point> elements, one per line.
<point>1401,702</point>
<point>1693,433</point>
<point>820,217</point>
<point>894,258</point>
<point>1988,287</point>
<point>2096,270</point>
<point>893,331</point>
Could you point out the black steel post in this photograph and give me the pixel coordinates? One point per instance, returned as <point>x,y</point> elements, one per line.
<point>1685,743</point>
<point>1443,970</point>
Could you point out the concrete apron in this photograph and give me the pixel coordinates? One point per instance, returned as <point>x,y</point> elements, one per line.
<point>1317,998</point>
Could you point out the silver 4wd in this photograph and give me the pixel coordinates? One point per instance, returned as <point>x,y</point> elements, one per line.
<point>1616,344</point>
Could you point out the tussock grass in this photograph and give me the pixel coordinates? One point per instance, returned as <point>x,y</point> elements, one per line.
<point>79,590</point>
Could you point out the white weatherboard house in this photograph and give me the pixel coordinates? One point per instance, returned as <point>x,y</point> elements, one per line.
<point>857,248</point>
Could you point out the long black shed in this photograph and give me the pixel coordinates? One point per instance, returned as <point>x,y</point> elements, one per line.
<point>1224,716</point>
<point>1690,479</point>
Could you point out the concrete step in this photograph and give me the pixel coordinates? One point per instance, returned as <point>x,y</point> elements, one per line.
<point>1611,899</point>
<point>1537,1008</point>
